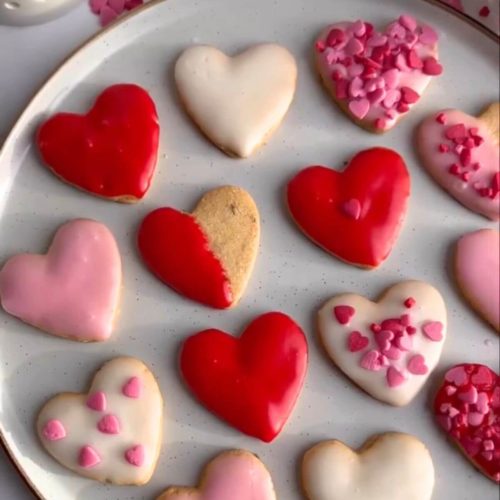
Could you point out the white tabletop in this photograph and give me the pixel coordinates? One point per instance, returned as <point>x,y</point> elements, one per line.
<point>27,57</point>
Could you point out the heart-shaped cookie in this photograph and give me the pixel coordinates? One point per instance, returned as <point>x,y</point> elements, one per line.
<point>207,255</point>
<point>111,151</point>
<point>477,270</point>
<point>234,474</point>
<point>390,466</point>
<point>467,407</point>
<point>112,433</point>
<point>390,347</point>
<point>73,290</point>
<point>251,382</point>
<point>356,214</point>
<point>377,77</point>
<point>461,152</point>
<point>238,101</point>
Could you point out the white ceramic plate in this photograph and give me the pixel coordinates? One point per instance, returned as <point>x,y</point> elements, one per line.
<point>291,275</point>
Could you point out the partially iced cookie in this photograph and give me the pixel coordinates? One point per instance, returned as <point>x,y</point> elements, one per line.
<point>238,102</point>
<point>113,432</point>
<point>390,466</point>
<point>234,474</point>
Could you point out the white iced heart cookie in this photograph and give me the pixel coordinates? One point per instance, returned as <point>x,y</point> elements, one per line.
<point>111,434</point>
<point>389,347</point>
<point>390,466</point>
<point>237,101</point>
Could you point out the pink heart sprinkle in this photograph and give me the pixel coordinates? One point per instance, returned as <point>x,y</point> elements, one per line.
<point>352,208</point>
<point>428,35</point>
<point>408,22</point>
<point>358,28</point>
<point>97,401</point>
<point>109,424</point>
<point>469,396</point>
<point>355,70</point>
<point>54,430</point>
<point>117,5</point>
<point>135,455</point>
<point>353,47</point>
<point>357,342</point>
<point>393,353</point>
<point>475,419</point>
<point>433,330</point>
<point>370,361</point>
<point>344,314</point>
<point>432,67</point>
<point>356,87</point>
<point>482,403</point>
<point>359,108</point>
<point>391,78</point>
<point>97,5</point>
<point>408,95</point>
<point>376,40</point>
<point>107,15</point>
<point>376,96</point>
<point>394,377</point>
<point>391,98</point>
<point>483,376</point>
<point>383,339</point>
<point>457,376</point>
<point>417,365</point>
<point>404,342</point>
<point>132,388</point>
<point>88,457</point>
<point>450,390</point>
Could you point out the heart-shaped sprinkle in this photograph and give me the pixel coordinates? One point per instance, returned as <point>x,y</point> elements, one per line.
<point>352,208</point>
<point>469,416</point>
<point>97,401</point>
<point>433,330</point>
<point>343,314</point>
<point>88,457</point>
<point>404,56</point>
<point>391,357</point>
<point>135,455</point>
<point>357,342</point>
<point>54,430</point>
<point>417,366</point>
<point>109,424</point>
<point>133,388</point>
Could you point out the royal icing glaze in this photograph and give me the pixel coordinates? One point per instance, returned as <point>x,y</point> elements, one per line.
<point>467,407</point>
<point>232,474</point>
<point>477,270</point>
<point>390,466</point>
<point>384,347</point>
<point>119,444</point>
<point>208,255</point>
<point>461,152</point>
<point>377,77</point>
<point>378,180</point>
<point>112,150</point>
<point>237,102</point>
<point>73,290</point>
<point>251,382</point>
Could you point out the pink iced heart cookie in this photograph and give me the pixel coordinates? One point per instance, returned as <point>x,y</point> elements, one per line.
<point>112,433</point>
<point>390,347</point>
<point>377,77</point>
<point>477,270</point>
<point>234,474</point>
<point>73,290</point>
<point>461,152</point>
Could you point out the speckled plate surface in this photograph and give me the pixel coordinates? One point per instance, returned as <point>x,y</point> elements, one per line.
<point>291,275</point>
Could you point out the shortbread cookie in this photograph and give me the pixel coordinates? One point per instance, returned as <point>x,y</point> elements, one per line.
<point>377,77</point>
<point>389,466</point>
<point>232,475</point>
<point>207,255</point>
<point>477,270</point>
<point>251,382</point>
<point>73,290</point>
<point>111,151</point>
<point>355,214</point>
<point>461,152</point>
<point>238,101</point>
<point>390,347</point>
<point>111,434</point>
<point>467,407</point>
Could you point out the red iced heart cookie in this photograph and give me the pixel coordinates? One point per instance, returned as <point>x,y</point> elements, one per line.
<point>467,407</point>
<point>111,151</point>
<point>208,255</point>
<point>251,382</point>
<point>377,77</point>
<point>356,214</point>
